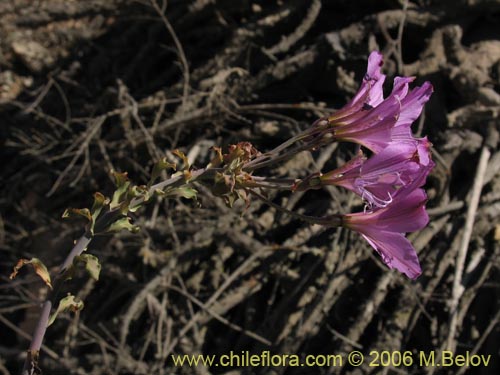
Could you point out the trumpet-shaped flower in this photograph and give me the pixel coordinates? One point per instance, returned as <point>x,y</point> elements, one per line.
<point>385,229</point>
<point>381,178</point>
<point>390,180</point>
<point>372,121</point>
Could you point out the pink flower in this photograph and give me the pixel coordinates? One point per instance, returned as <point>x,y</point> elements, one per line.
<point>372,121</point>
<point>381,178</point>
<point>385,229</point>
<point>370,94</point>
<point>390,180</point>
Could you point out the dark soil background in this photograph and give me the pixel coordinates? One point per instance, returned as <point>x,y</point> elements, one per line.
<point>89,86</point>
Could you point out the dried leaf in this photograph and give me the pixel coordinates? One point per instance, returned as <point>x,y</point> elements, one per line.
<point>218,158</point>
<point>67,303</point>
<point>38,266</point>
<point>184,158</point>
<point>74,212</point>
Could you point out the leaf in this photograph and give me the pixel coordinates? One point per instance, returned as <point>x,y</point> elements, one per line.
<point>159,167</point>
<point>230,199</point>
<point>184,192</point>
<point>74,212</point>
<point>160,192</point>
<point>135,192</point>
<point>120,178</point>
<point>123,224</point>
<point>38,266</point>
<point>217,159</point>
<point>99,202</point>
<point>92,265</point>
<point>184,158</point>
<point>67,303</point>
<point>188,176</point>
<point>122,183</point>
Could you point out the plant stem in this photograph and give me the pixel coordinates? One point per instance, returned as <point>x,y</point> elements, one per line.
<point>30,364</point>
<point>271,183</point>
<point>314,138</point>
<point>272,156</point>
<point>272,159</point>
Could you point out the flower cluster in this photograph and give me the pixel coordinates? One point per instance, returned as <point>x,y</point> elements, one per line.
<point>391,180</point>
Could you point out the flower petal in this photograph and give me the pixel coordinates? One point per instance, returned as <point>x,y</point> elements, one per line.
<point>370,92</point>
<point>400,86</point>
<point>423,151</point>
<point>388,158</point>
<point>412,104</point>
<point>403,219</point>
<point>396,251</point>
<point>375,62</point>
<point>404,214</point>
<point>375,137</point>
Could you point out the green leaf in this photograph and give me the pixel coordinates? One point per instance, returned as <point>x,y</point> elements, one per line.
<point>99,202</point>
<point>122,183</point>
<point>123,224</point>
<point>135,192</point>
<point>120,178</point>
<point>92,265</point>
<point>67,303</point>
<point>38,266</point>
<point>159,167</point>
<point>160,192</point>
<point>184,192</point>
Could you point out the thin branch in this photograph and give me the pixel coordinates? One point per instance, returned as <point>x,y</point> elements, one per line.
<point>480,342</point>
<point>91,132</point>
<point>234,276</point>
<point>458,287</point>
<point>221,318</point>
<point>180,51</point>
<point>399,40</point>
<point>23,334</point>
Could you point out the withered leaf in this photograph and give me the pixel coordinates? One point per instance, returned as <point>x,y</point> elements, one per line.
<point>38,266</point>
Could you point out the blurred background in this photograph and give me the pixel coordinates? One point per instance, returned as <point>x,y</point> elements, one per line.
<point>90,86</point>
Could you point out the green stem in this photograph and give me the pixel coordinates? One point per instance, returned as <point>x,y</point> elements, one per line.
<point>271,183</point>
<point>315,139</point>
<point>272,156</point>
